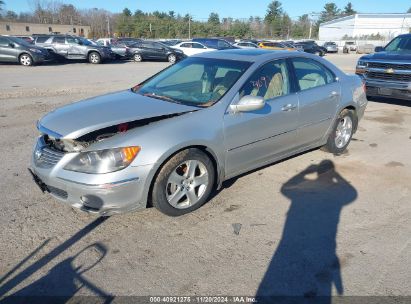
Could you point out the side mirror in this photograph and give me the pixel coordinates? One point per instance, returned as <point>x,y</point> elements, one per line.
<point>379,49</point>
<point>80,42</point>
<point>12,45</point>
<point>248,103</point>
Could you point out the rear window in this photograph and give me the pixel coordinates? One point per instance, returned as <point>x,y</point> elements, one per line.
<point>41,39</point>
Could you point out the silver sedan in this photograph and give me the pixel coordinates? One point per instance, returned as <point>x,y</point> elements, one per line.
<point>174,138</point>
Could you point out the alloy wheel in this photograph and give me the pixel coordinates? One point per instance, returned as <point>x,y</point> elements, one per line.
<point>172,58</point>
<point>94,58</point>
<point>343,132</point>
<point>187,184</point>
<point>25,60</point>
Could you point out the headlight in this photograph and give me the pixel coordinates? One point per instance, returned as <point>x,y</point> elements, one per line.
<point>362,64</point>
<point>36,51</point>
<point>103,161</point>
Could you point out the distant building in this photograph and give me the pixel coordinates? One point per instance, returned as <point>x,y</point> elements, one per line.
<point>359,25</point>
<point>23,28</point>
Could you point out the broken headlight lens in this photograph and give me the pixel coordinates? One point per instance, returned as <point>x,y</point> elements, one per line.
<point>103,161</point>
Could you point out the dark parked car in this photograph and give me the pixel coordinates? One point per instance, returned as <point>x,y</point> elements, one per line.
<point>311,47</point>
<point>121,50</point>
<point>215,43</point>
<point>387,72</point>
<point>73,47</point>
<point>14,49</point>
<point>153,50</point>
<point>128,40</point>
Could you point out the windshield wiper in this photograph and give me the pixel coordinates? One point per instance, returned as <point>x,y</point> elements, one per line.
<point>161,97</point>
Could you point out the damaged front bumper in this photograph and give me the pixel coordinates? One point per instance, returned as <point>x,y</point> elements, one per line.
<point>102,194</point>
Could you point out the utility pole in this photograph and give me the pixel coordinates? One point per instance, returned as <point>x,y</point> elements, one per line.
<point>108,26</point>
<point>311,22</point>
<point>189,27</point>
<point>311,29</point>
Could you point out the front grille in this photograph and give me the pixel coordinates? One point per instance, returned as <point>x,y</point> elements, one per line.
<point>58,192</point>
<point>49,157</point>
<point>383,65</point>
<point>387,76</point>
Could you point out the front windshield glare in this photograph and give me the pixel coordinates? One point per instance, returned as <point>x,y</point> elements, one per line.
<point>399,44</point>
<point>194,81</point>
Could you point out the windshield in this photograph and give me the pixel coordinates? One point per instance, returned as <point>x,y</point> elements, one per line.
<point>20,41</point>
<point>399,44</point>
<point>194,81</point>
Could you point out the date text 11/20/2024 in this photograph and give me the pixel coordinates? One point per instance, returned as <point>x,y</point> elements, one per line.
<point>203,299</point>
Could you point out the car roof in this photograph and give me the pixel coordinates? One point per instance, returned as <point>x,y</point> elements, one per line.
<point>250,55</point>
<point>405,36</point>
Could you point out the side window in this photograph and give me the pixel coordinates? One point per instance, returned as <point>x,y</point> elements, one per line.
<point>71,40</point>
<point>197,46</point>
<point>186,45</point>
<point>222,44</point>
<point>157,46</point>
<point>59,40</point>
<point>311,74</point>
<point>270,81</point>
<point>147,45</point>
<point>4,41</point>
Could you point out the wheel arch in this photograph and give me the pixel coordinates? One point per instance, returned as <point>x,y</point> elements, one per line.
<point>25,53</point>
<point>354,110</point>
<point>218,171</point>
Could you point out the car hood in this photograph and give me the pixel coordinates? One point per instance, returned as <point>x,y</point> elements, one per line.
<point>80,118</point>
<point>394,56</point>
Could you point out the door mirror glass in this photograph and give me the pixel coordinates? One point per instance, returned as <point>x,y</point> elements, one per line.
<point>379,49</point>
<point>248,103</point>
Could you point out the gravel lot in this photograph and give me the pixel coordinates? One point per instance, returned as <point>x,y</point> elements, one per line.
<point>318,237</point>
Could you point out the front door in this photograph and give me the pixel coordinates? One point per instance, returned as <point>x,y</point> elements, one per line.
<point>255,138</point>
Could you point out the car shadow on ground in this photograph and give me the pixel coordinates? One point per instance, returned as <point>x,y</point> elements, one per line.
<point>63,280</point>
<point>398,102</point>
<point>305,264</point>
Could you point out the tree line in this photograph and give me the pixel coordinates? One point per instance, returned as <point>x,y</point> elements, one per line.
<point>275,24</point>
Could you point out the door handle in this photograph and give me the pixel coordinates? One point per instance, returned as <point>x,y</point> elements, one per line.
<point>334,93</point>
<point>288,107</point>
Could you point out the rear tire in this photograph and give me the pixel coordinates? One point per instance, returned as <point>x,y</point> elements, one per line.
<point>26,60</point>
<point>94,58</point>
<point>184,183</point>
<point>341,133</point>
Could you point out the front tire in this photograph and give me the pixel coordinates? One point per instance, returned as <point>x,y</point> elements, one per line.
<point>26,60</point>
<point>137,58</point>
<point>94,58</point>
<point>172,58</point>
<point>184,183</point>
<point>342,132</point>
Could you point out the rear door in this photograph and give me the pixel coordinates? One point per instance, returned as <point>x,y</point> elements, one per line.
<point>148,50</point>
<point>75,50</point>
<point>60,46</point>
<point>255,138</point>
<point>319,94</point>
